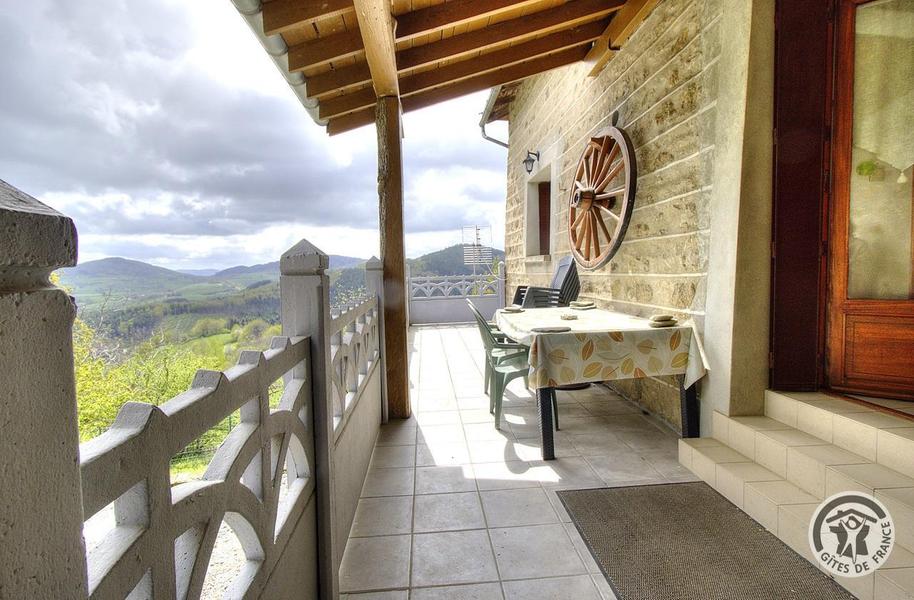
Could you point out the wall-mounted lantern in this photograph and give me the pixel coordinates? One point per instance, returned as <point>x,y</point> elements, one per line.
<point>531,159</point>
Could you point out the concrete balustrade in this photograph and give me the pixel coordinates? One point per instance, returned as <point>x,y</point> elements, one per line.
<point>286,479</point>
<point>442,299</point>
<point>41,546</point>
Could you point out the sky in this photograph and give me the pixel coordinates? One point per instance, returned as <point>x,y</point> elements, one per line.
<point>166,132</point>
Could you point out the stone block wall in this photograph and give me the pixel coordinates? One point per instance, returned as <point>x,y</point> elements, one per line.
<point>664,85</point>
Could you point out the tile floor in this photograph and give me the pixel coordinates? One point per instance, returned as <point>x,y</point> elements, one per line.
<point>453,509</point>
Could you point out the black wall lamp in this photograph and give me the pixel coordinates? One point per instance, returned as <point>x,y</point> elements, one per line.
<point>531,159</point>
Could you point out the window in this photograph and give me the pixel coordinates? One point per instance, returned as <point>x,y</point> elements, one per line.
<point>539,213</point>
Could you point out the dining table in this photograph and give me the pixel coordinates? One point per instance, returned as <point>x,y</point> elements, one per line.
<point>573,346</point>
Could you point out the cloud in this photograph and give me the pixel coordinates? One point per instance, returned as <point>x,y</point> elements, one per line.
<point>162,127</point>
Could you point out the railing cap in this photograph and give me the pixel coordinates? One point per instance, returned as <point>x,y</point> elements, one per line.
<point>373,264</point>
<point>35,239</point>
<point>304,258</point>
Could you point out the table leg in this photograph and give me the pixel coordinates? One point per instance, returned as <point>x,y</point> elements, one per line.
<point>691,410</point>
<point>544,399</point>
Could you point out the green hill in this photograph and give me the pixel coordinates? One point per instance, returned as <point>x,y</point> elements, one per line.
<point>448,261</point>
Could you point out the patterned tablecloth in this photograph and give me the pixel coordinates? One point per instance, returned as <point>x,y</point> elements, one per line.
<point>602,346</point>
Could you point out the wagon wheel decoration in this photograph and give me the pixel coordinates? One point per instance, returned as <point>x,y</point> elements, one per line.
<point>602,197</point>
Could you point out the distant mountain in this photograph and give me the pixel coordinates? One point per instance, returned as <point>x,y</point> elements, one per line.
<point>446,262</point>
<point>198,272</point>
<point>121,279</point>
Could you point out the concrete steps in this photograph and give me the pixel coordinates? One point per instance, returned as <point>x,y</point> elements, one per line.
<point>780,466</point>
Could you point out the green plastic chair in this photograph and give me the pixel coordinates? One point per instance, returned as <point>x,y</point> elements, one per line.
<point>497,345</point>
<point>505,362</point>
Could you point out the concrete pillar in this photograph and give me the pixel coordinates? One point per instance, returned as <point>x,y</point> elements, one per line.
<point>305,310</point>
<point>736,333</point>
<point>500,284</point>
<point>374,284</point>
<point>42,554</point>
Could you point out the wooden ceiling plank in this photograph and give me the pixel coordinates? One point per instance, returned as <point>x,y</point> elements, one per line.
<point>498,59</point>
<point>280,16</point>
<point>543,22</point>
<point>441,16</point>
<point>565,16</point>
<point>516,72</point>
<point>501,58</point>
<point>377,26</point>
<point>623,24</point>
<point>322,51</point>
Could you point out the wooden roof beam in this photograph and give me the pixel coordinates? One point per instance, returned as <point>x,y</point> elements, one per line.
<point>377,26</point>
<point>280,16</point>
<point>334,107</point>
<point>412,24</point>
<point>322,51</point>
<point>565,16</point>
<point>461,88</point>
<point>624,23</point>
<point>441,16</point>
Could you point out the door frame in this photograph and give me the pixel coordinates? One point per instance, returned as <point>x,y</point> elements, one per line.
<point>809,128</point>
<point>804,48</point>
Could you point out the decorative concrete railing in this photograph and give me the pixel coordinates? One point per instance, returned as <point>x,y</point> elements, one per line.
<point>355,350</point>
<point>286,479</point>
<point>442,299</point>
<point>258,481</point>
<point>460,286</point>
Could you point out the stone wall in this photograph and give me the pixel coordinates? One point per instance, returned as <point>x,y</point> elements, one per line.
<point>664,85</point>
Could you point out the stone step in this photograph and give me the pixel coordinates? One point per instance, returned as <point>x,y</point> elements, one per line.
<point>874,435</point>
<point>785,508</point>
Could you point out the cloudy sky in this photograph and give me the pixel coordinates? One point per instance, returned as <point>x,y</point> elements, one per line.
<point>164,130</point>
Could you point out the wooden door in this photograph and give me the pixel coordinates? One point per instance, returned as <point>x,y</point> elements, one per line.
<point>871,252</point>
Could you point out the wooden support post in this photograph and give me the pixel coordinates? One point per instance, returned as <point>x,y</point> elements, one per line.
<point>390,196</point>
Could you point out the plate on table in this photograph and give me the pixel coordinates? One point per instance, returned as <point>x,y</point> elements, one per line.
<point>557,329</point>
<point>663,323</point>
<point>581,303</point>
<point>585,307</point>
<point>512,309</point>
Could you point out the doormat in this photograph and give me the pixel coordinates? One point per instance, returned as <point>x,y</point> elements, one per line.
<point>686,541</point>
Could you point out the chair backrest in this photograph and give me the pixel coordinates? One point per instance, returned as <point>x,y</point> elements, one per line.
<point>565,279</point>
<point>488,340</point>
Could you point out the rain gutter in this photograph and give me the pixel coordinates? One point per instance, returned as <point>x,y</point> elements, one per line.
<point>252,11</point>
<point>490,104</point>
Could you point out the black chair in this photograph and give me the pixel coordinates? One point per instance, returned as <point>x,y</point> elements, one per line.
<point>564,289</point>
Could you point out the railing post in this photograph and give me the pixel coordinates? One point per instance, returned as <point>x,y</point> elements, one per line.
<point>42,552</point>
<point>305,308</point>
<point>374,283</point>
<point>500,284</point>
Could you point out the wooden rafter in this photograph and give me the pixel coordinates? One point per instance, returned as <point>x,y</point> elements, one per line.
<point>441,16</point>
<point>624,23</point>
<point>412,24</point>
<point>280,16</point>
<point>565,16</point>
<point>322,51</point>
<point>377,27</point>
<point>464,87</point>
<point>414,84</point>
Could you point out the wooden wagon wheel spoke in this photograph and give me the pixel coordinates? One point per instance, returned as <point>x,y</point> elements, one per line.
<point>599,218</point>
<point>608,158</point>
<point>595,234</point>
<point>610,175</point>
<point>601,179</point>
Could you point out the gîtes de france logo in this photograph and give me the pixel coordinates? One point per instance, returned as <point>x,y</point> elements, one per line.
<point>851,534</point>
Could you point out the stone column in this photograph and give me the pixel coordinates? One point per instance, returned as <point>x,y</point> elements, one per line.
<point>374,283</point>
<point>305,310</point>
<point>41,546</point>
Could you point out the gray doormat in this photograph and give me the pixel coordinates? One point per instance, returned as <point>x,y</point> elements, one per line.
<point>686,541</point>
